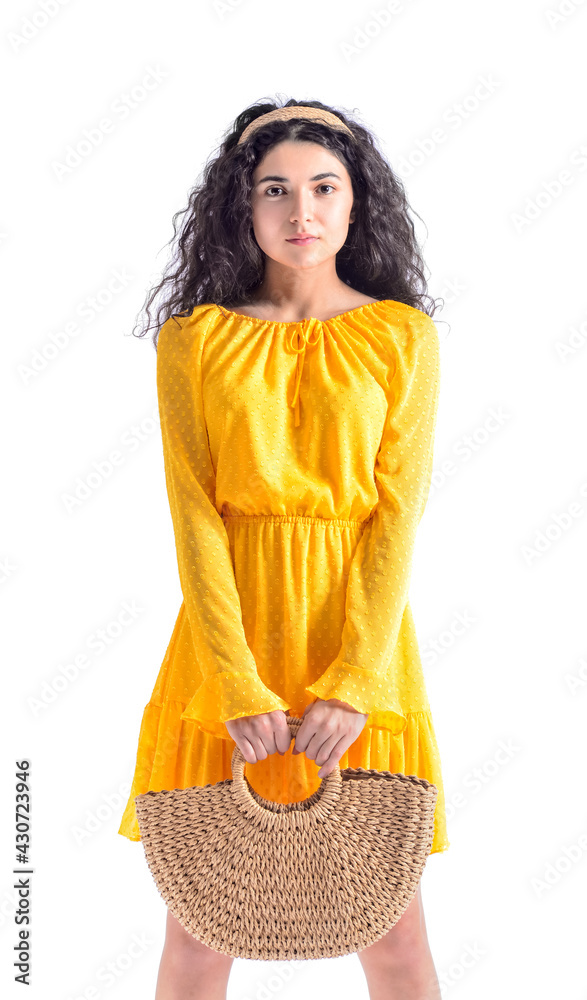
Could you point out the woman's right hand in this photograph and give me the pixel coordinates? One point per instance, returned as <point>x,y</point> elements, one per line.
<point>257,736</point>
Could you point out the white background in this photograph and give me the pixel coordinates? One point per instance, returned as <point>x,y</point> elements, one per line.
<point>504,86</point>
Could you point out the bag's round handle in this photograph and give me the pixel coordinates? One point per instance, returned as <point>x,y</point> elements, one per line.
<point>327,793</point>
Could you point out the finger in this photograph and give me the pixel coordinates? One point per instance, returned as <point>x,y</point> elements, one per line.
<point>321,752</point>
<point>307,739</point>
<point>283,739</point>
<point>298,748</point>
<point>258,749</point>
<point>299,740</point>
<point>247,750</point>
<point>329,766</point>
<point>334,755</point>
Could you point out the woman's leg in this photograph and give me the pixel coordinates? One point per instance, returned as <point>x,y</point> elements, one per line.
<point>399,966</point>
<point>189,970</point>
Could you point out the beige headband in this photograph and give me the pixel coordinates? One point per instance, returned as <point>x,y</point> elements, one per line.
<point>295,111</point>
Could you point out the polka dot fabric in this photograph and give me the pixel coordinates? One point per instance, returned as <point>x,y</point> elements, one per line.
<point>298,459</point>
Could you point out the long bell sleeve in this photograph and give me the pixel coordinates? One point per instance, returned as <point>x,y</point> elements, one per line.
<point>362,675</point>
<point>231,686</point>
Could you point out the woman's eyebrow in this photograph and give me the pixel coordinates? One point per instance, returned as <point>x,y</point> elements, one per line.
<point>285,180</point>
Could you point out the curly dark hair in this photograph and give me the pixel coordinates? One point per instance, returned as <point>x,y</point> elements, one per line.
<point>218,259</point>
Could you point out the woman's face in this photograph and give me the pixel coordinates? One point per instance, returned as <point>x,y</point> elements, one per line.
<point>301,187</point>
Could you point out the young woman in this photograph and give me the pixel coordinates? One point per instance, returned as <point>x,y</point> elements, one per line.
<point>297,378</point>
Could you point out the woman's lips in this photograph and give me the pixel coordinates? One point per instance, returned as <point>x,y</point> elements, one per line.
<point>303,241</point>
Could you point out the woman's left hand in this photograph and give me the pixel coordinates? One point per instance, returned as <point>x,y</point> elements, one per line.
<point>328,730</point>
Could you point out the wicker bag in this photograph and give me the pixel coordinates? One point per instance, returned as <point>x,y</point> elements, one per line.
<point>272,881</point>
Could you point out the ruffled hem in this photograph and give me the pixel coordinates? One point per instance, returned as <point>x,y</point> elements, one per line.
<point>354,685</point>
<point>221,697</point>
<point>177,753</point>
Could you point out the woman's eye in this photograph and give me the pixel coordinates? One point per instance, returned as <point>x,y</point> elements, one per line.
<point>277,188</point>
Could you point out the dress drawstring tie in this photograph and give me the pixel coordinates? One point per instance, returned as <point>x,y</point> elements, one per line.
<point>304,334</point>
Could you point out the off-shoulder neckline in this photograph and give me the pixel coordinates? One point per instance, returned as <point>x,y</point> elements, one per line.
<point>275,322</point>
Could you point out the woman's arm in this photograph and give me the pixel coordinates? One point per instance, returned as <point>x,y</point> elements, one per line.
<point>378,582</point>
<point>231,685</point>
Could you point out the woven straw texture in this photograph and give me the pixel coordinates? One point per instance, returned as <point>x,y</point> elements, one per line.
<point>295,111</point>
<point>271,881</point>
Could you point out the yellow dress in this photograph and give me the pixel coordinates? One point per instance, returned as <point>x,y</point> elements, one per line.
<point>298,459</point>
